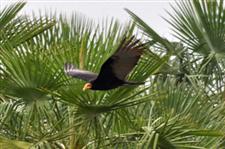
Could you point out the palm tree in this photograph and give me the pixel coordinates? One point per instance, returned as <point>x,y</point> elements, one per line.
<point>43,108</point>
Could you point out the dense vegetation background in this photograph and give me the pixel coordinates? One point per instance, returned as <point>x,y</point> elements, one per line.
<point>180,106</point>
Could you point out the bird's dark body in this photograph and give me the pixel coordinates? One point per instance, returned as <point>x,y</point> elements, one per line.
<point>106,85</point>
<point>106,80</point>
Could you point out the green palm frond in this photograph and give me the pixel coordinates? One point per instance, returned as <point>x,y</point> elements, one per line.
<point>27,73</point>
<point>19,29</point>
<point>6,144</point>
<point>199,25</point>
<point>195,108</point>
<point>177,119</point>
<point>9,13</point>
<point>148,31</point>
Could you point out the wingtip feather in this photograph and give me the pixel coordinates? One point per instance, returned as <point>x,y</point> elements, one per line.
<point>68,67</point>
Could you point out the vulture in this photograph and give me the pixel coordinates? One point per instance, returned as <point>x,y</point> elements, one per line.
<point>114,70</point>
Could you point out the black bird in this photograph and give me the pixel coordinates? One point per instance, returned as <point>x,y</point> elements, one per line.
<point>115,69</point>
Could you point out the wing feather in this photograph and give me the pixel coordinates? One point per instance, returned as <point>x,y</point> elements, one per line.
<point>70,70</point>
<point>123,60</point>
<point>126,57</point>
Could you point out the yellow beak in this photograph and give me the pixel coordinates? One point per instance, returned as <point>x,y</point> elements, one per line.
<point>84,88</point>
<point>87,86</point>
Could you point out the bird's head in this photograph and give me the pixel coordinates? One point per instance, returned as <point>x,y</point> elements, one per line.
<point>87,86</point>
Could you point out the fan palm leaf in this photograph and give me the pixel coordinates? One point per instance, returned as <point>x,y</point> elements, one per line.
<point>199,25</point>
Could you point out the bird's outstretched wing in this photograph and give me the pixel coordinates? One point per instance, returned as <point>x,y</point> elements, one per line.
<point>125,58</point>
<point>70,70</point>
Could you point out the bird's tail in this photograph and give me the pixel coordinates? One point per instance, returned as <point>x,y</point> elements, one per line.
<point>133,83</point>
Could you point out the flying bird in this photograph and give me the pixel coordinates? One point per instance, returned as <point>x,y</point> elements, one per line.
<point>114,70</point>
